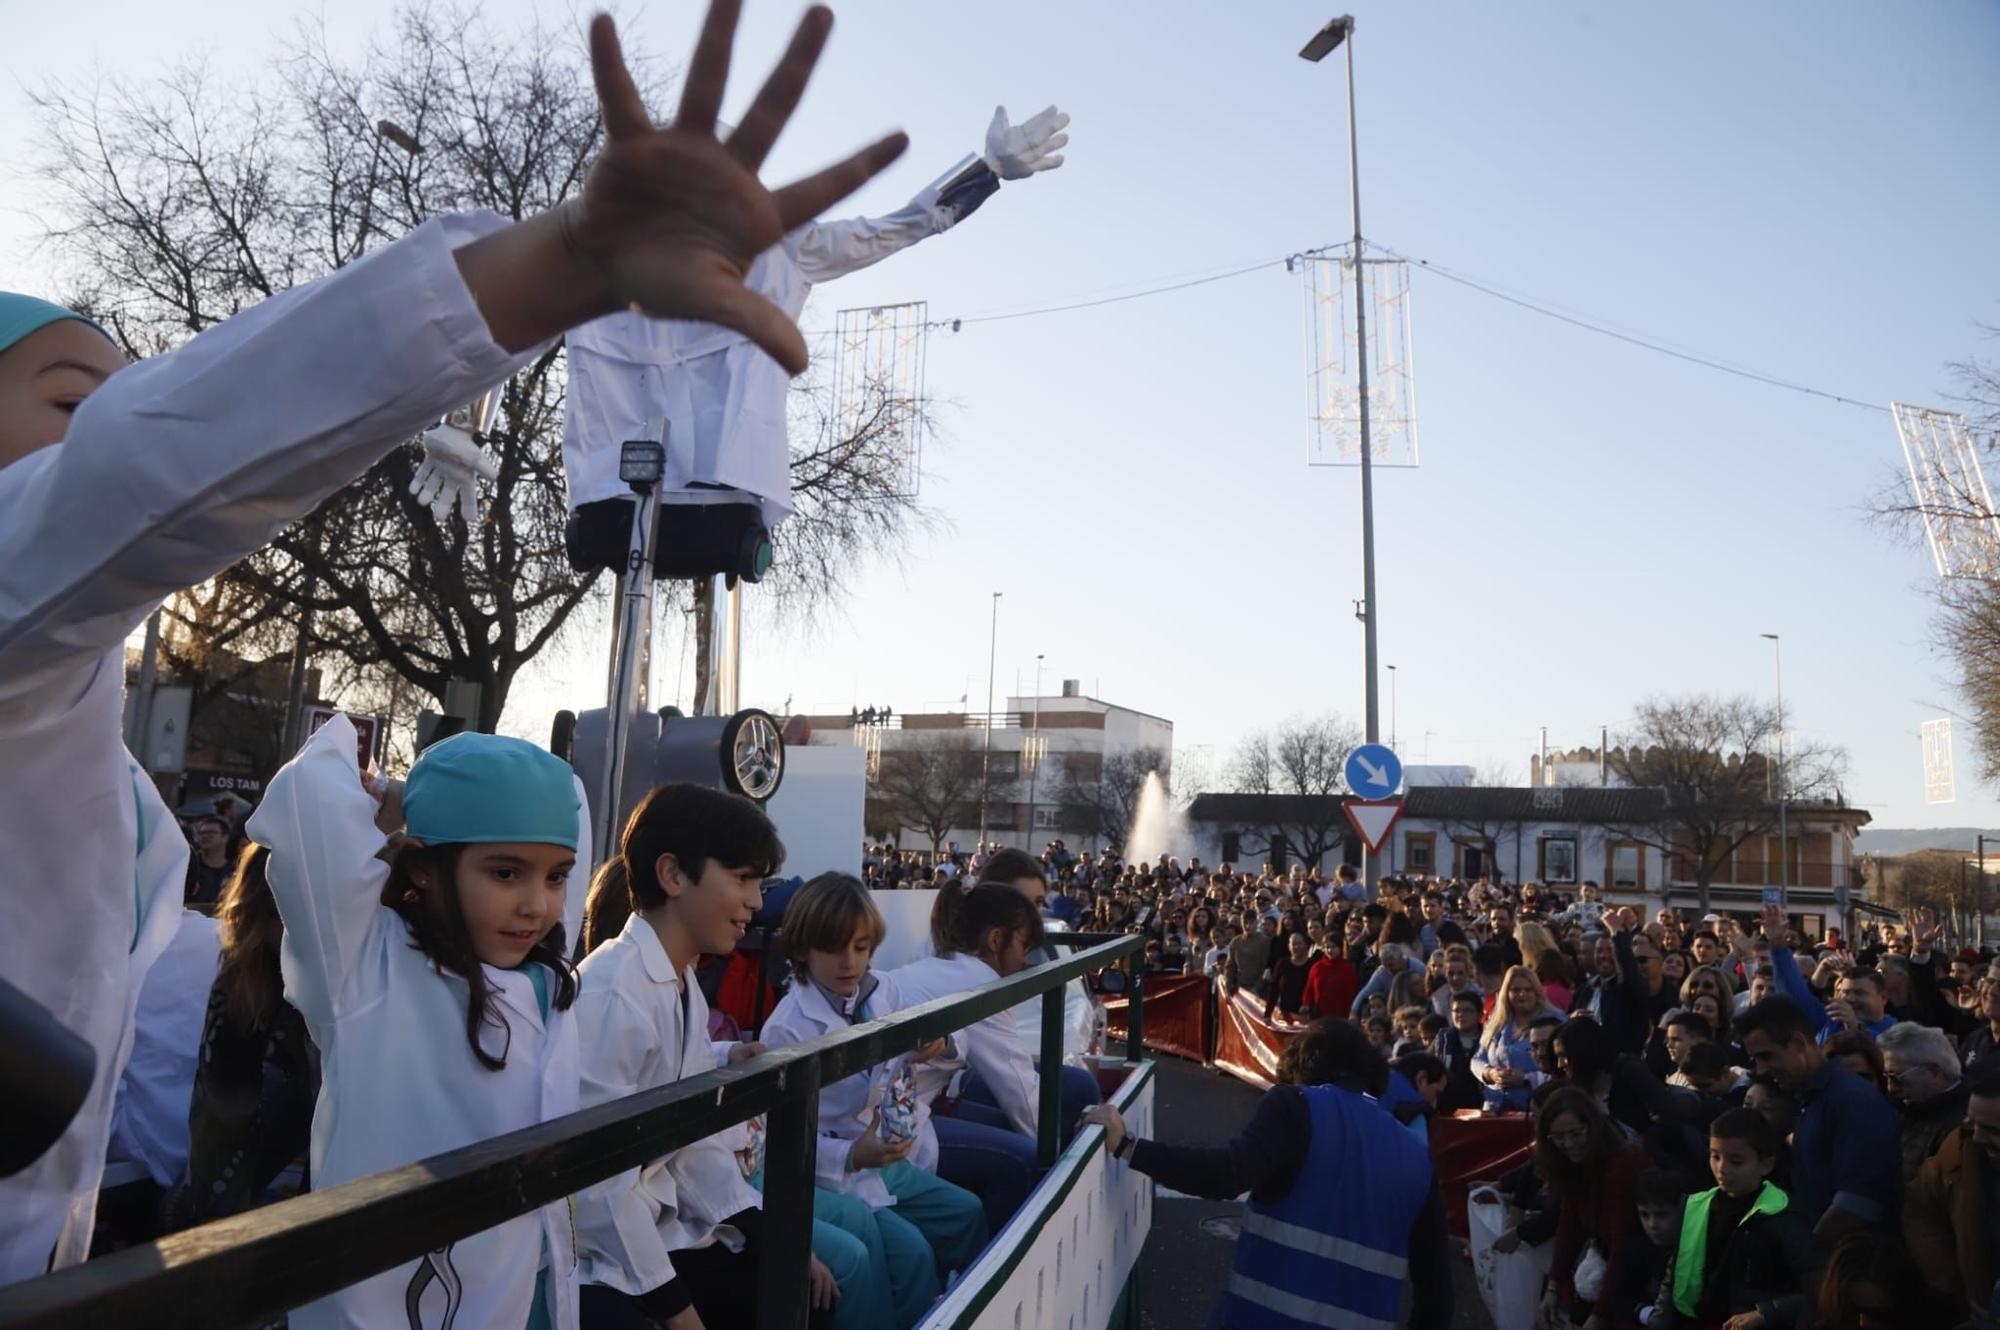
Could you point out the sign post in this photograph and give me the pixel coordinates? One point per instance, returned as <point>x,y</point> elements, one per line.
<point>367,729</point>
<point>1374,773</point>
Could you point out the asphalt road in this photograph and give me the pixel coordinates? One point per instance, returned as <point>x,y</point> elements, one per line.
<point>1187,1255</point>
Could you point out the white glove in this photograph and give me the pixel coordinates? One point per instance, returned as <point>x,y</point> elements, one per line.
<point>1016,152</point>
<point>449,475</point>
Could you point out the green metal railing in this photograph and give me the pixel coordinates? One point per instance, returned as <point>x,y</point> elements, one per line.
<point>251,1268</point>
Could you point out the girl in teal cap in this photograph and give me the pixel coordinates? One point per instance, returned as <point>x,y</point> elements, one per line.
<point>122,484</point>
<point>425,934</point>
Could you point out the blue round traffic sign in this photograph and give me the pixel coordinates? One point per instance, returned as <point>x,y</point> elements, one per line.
<point>1374,771</point>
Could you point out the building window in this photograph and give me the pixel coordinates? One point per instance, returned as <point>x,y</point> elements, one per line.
<point>1556,859</point>
<point>1002,817</point>
<point>1420,852</point>
<point>1006,766</point>
<point>1625,866</point>
<point>1083,766</point>
<point>1472,858</point>
<point>1232,846</point>
<point>1048,818</point>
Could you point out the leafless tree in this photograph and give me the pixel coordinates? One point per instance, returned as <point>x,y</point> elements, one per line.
<point>1303,758</point>
<point>1103,806</point>
<point>174,203</point>
<point>1711,756</point>
<point>931,783</point>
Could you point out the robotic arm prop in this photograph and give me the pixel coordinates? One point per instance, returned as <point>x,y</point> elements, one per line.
<point>448,477</point>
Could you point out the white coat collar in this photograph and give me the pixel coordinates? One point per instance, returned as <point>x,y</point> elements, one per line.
<point>659,965</point>
<point>516,992</point>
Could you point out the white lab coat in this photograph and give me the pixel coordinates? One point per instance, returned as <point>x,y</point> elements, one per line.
<point>724,398</point>
<point>632,1037</point>
<point>149,1122</point>
<point>846,1106</point>
<point>173,470</point>
<point>991,1047</point>
<point>398,1081</point>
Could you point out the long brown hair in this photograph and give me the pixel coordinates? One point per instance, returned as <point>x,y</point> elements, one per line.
<point>1606,1140</point>
<point>608,906</point>
<point>249,931</point>
<point>438,929</point>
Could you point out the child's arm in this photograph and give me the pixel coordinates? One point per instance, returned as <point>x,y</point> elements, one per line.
<point>180,465</point>
<point>320,826</point>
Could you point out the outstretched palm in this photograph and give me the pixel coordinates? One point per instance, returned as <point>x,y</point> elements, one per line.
<point>674,217</point>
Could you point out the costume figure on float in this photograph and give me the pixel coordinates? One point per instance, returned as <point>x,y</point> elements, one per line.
<point>725,403</point>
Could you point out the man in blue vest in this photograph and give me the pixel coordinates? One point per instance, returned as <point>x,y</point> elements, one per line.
<point>1344,1207</point>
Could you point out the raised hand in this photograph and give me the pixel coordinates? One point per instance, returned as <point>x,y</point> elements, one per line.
<point>674,217</point>
<point>1016,152</point>
<point>1771,920</point>
<point>670,218</point>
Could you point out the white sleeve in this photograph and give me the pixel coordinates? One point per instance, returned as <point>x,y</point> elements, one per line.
<point>994,1050</point>
<point>618,1219</point>
<point>320,827</point>
<point>826,250</point>
<point>180,465</point>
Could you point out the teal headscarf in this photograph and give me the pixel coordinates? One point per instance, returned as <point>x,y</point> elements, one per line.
<point>484,789</point>
<point>21,315</point>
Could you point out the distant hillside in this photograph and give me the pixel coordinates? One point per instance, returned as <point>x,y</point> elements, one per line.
<point>1888,841</point>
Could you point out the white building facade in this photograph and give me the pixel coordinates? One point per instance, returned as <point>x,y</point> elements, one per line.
<point>1039,746</point>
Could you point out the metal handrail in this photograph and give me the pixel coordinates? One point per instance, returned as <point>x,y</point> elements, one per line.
<point>250,1268</point>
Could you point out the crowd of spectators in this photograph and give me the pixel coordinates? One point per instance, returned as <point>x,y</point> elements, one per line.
<point>1847,1087</point>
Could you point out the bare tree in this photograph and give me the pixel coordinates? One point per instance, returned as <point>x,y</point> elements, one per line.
<point>1934,878</point>
<point>173,204</point>
<point>931,783</point>
<point>1709,756</point>
<point>1303,758</point>
<point>1104,807</point>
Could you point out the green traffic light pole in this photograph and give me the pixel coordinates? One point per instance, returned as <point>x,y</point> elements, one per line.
<point>1339,32</point>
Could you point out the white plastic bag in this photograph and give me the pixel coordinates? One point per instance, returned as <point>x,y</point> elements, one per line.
<point>1510,1283</point>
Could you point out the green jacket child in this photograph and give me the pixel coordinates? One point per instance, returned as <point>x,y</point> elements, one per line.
<point>1746,1259</point>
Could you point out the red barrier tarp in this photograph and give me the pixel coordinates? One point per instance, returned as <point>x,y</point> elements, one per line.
<point>1247,1045</point>
<point>1176,1016</point>
<point>1470,1146</point>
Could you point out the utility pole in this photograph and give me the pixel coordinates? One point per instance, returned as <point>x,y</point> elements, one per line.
<point>986,763</point>
<point>1336,33</point>
<point>1979,896</point>
<point>1034,751</point>
<point>1784,794</point>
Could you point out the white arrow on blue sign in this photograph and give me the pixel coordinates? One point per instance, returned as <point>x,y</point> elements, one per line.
<point>1374,771</point>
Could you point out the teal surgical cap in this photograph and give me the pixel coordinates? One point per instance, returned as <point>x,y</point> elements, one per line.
<point>482,789</point>
<point>21,315</point>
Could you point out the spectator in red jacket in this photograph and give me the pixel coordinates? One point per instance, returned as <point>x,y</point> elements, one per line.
<point>1330,986</point>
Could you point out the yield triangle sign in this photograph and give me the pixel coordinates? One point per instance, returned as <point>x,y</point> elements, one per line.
<point>1372,819</point>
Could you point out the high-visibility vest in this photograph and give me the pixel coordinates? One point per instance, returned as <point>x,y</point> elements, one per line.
<point>1334,1252</point>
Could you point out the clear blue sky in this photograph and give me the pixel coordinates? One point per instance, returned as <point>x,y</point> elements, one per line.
<point>1806,189</point>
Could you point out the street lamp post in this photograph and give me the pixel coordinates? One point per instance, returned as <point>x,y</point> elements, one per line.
<point>1784,793</point>
<point>986,763</point>
<point>1392,704</point>
<point>1034,751</point>
<point>1338,32</point>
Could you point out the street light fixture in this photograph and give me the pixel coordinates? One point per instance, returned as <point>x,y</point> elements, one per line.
<point>1336,33</point>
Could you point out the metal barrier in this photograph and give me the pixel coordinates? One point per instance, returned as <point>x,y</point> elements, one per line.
<point>246,1270</point>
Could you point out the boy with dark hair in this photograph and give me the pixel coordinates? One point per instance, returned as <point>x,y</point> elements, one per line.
<point>1659,1196</point>
<point>1746,1258</point>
